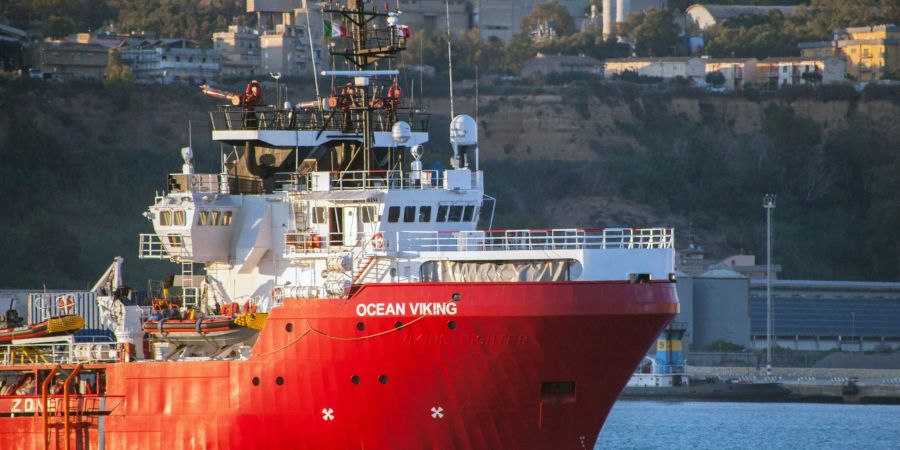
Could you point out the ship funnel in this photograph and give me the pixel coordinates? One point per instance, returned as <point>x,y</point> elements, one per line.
<point>463,136</point>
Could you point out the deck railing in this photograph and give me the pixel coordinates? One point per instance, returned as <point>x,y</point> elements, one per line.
<point>153,247</point>
<point>232,118</point>
<point>560,239</point>
<point>374,179</point>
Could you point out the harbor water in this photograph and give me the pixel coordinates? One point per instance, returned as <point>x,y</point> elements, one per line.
<point>720,426</point>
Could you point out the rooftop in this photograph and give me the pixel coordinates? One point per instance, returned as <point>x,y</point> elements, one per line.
<point>720,12</point>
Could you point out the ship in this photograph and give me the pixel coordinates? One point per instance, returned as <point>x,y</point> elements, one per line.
<point>395,317</point>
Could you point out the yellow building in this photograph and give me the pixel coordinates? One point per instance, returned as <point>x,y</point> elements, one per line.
<point>871,52</point>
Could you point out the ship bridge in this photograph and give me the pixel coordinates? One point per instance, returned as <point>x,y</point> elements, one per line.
<point>300,127</point>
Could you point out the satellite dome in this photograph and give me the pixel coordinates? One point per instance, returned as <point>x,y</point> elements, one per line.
<point>401,133</point>
<point>463,130</point>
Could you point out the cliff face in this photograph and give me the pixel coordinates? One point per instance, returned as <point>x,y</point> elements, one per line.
<point>553,127</point>
<point>79,163</point>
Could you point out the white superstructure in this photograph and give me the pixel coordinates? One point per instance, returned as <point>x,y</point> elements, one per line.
<point>319,233</point>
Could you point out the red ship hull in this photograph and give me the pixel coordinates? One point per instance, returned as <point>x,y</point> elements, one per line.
<point>506,366</point>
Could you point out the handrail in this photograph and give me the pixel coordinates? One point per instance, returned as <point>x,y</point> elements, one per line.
<point>556,239</point>
<point>352,180</point>
<point>268,118</point>
<point>66,404</point>
<point>44,413</point>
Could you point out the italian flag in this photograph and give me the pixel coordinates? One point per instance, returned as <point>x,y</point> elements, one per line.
<point>334,30</point>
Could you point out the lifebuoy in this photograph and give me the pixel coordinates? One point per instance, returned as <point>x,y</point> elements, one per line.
<point>65,303</point>
<point>378,240</point>
<point>316,241</point>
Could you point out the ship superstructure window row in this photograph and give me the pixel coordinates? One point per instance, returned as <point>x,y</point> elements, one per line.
<point>445,213</point>
<point>214,218</point>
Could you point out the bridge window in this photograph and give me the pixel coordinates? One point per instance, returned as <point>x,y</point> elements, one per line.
<point>456,213</point>
<point>442,213</point>
<point>216,218</point>
<point>179,218</point>
<point>368,214</point>
<point>409,214</point>
<point>203,219</point>
<point>393,214</point>
<point>468,213</point>
<point>175,240</point>
<point>425,214</point>
<point>226,218</point>
<point>318,215</point>
<point>165,218</point>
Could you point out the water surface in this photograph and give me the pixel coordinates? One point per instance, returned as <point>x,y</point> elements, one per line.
<point>719,426</point>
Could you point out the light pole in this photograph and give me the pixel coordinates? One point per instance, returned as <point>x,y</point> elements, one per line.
<point>769,205</point>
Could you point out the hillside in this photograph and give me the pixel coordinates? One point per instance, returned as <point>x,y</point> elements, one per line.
<point>80,163</point>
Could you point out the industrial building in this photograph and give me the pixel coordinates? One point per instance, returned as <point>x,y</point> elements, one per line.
<point>826,315</point>
<point>723,305</point>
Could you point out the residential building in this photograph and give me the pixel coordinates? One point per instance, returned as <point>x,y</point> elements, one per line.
<point>67,60</point>
<point>736,70</point>
<point>689,68</point>
<point>701,17</point>
<point>777,72</point>
<point>167,60</point>
<point>871,52</point>
<point>238,50</point>
<point>284,41</point>
<point>12,45</point>
<point>546,64</point>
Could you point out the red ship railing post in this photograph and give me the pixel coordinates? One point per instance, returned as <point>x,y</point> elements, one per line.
<point>66,404</point>
<point>44,386</point>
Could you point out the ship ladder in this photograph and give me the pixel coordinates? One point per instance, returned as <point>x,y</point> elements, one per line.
<point>363,267</point>
<point>189,291</point>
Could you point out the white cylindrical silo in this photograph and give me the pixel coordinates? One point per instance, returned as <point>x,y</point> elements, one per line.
<point>609,16</point>
<point>623,9</point>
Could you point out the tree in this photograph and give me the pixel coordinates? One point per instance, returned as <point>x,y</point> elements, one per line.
<point>518,49</point>
<point>553,14</point>
<point>58,27</point>
<point>716,78</point>
<point>812,77</point>
<point>116,70</point>
<point>652,32</point>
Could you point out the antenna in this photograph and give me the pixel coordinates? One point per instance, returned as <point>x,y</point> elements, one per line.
<point>476,93</point>
<point>190,135</point>
<point>450,58</point>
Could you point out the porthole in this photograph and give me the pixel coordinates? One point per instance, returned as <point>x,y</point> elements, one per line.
<point>398,324</point>
<point>355,379</point>
<point>289,327</point>
<point>455,297</point>
<point>451,324</point>
<point>360,326</point>
<point>279,381</point>
<point>255,381</point>
<point>383,379</point>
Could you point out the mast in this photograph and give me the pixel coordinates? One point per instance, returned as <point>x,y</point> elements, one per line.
<point>371,40</point>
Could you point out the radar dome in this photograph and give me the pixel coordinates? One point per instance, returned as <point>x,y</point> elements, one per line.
<point>463,130</point>
<point>401,133</point>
